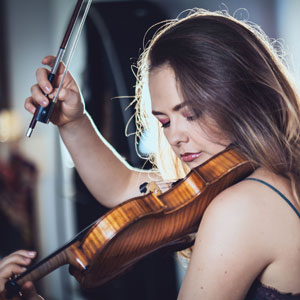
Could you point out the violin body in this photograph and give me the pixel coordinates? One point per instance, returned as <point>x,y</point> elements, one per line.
<point>144,224</point>
<point>141,225</point>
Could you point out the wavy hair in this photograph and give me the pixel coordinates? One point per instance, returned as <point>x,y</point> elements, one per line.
<point>229,71</point>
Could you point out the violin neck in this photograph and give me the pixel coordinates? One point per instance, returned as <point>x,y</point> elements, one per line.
<point>65,255</point>
<point>34,273</point>
<point>70,253</point>
<point>44,267</point>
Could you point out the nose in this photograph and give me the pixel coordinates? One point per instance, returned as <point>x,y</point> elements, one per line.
<point>177,134</point>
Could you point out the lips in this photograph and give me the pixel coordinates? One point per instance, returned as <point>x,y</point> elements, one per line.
<point>188,157</point>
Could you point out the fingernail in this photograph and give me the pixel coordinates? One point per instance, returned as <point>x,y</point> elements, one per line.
<point>31,253</point>
<point>44,102</point>
<point>47,88</point>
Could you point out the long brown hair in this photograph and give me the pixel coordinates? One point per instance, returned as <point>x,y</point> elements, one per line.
<point>229,71</point>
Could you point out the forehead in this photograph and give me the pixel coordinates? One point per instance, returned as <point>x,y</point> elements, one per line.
<point>163,87</point>
<point>164,73</point>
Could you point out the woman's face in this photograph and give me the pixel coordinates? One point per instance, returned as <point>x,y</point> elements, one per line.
<point>191,142</point>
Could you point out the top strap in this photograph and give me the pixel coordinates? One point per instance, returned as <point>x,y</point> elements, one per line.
<point>278,192</point>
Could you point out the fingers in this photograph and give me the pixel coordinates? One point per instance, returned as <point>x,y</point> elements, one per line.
<point>64,94</point>
<point>14,264</point>
<point>37,98</point>
<point>71,97</point>
<point>50,60</point>
<point>43,86</point>
<point>29,106</point>
<point>42,74</point>
<point>44,91</point>
<point>21,257</point>
<point>43,82</point>
<point>9,272</point>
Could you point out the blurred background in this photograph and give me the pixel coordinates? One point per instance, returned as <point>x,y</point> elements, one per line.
<point>43,202</point>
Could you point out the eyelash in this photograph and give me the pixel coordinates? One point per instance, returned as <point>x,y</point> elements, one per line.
<point>191,118</point>
<point>167,124</point>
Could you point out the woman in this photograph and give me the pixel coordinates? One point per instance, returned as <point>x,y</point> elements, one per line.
<point>213,82</point>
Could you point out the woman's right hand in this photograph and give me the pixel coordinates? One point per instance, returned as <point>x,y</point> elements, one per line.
<point>69,106</point>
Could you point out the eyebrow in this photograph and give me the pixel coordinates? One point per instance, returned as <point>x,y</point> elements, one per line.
<point>175,108</point>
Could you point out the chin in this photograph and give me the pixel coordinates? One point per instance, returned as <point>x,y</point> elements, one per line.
<point>194,164</point>
<point>197,162</point>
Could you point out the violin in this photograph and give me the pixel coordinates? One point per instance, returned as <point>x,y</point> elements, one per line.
<point>140,226</point>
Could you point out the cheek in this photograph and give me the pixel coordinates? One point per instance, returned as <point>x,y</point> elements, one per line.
<point>196,133</point>
<point>215,141</point>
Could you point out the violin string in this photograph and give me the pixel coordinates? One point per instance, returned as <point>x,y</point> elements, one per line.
<point>73,48</point>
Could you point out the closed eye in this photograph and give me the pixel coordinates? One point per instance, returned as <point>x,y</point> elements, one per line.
<point>189,114</point>
<point>165,125</point>
<point>165,122</point>
<point>192,118</point>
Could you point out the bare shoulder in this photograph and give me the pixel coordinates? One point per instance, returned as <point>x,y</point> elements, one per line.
<point>228,250</point>
<point>235,241</point>
<point>238,203</point>
<point>242,211</point>
<point>255,208</point>
<point>257,198</point>
<point>239,217</point>
<point>247,232</point>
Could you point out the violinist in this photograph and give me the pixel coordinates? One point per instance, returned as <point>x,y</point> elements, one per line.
<point>214,81</point>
